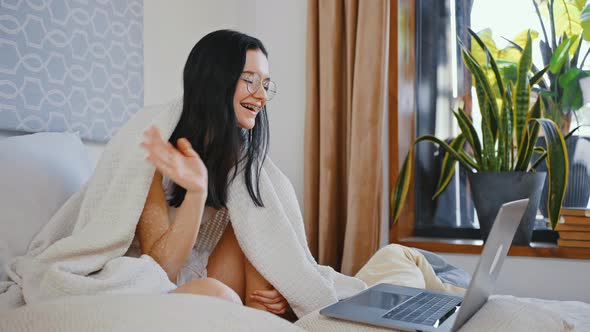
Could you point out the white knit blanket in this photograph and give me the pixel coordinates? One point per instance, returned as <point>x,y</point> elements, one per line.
<point>80,250</point>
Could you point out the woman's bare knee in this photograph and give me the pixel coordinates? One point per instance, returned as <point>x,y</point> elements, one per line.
<point>209,287</point>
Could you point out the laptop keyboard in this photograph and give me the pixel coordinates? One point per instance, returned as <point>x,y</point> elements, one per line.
<point>424,308</point>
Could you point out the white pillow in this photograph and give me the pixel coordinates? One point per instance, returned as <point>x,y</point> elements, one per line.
<point>38,173</point>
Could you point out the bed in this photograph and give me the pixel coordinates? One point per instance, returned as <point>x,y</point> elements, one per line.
<point>38,172</point>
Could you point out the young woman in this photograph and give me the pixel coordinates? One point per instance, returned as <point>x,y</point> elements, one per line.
<point>184,225</point>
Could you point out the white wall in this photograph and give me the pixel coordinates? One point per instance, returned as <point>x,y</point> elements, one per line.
<point>171,29</point>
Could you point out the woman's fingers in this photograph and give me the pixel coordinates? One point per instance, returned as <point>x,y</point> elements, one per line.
<point>159,159</point>
<point>267,300</point>
<point>158,154</point>
<point>272,300</point>
<point>272,293</point>
<point>277,312</point>
<point>153,133</point>
<point>155,144</point>
<point>276,306</point>
<point>157,147</point>
<point>152,143</point>
<point>186,148</point>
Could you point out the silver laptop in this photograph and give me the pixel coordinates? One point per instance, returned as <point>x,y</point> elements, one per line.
<point>413,309</point>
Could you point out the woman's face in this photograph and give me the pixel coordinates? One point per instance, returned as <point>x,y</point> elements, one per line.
<point>247,105</point>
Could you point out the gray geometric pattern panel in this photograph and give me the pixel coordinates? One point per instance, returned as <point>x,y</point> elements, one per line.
<point>70,65</point>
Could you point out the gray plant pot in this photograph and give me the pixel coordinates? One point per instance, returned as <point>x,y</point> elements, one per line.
<point>492,189</point>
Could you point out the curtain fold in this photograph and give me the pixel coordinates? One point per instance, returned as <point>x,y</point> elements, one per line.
<point>345,108</point>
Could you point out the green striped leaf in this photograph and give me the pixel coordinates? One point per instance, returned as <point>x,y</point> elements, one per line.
<point>573,131</point>
<point>502,139</point>
<point>538,76</point>
<point>488,140</point>
<point>491,60</point>
<point>448,166</point>
<point>401,187</point>
<point>503,153</point>
<point>484,90</point>
<point>402,183</point>
<point>483,106</point>
<point>446,147</point>
<point>536,111</point>
<point>557,168</point>
<point>544,152</point>
<point>510,116</point>
<point>523,152</point>
<point>468,160</point>
<point>533,136</point>
<point>523,92</point>
<point>540,149</point>
<point>470,133</point>
<point>539,160</point>
<point>505,137</point>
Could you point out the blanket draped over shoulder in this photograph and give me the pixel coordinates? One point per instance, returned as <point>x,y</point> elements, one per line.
<point>80,251</point>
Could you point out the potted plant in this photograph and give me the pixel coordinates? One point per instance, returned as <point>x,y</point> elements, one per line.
<point>501,160</point>
<point>563,33</point>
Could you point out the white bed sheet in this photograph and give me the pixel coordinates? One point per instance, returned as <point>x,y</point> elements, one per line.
<point>180,312</point>
<point>146,313</point>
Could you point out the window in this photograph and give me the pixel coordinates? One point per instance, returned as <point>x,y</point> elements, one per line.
<point>441,81</point>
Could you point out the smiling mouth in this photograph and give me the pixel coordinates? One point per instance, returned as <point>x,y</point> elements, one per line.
<point>253,108</point>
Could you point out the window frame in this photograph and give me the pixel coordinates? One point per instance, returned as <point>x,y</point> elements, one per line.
<point>402,113</point>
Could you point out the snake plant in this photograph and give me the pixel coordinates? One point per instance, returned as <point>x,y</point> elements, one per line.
<point>509,132</point>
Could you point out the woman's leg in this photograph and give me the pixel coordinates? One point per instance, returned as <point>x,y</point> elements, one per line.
<point>209,287</point>
<point>226,262</point>
<point>229,265</point>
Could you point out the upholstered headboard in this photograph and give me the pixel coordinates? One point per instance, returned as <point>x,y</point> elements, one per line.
<point>70,65</point>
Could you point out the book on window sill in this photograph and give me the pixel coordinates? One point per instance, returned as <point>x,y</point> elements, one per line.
<point>560,227</point>
<point>574,220</point>
<point>584,236</point>
<point>573,243</point>
<point>574,211</point>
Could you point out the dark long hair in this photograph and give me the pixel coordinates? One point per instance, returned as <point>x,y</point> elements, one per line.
<point>208,120</point>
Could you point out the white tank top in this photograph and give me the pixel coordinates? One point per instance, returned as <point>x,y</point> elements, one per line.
<point>213,224</point>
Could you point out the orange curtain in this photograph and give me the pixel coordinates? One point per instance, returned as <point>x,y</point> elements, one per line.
<point>345,111</point>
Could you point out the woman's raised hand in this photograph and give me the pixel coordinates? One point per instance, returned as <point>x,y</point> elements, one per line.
<point>182,165</point>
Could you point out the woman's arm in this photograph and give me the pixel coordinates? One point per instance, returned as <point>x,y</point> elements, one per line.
<point>254,282</point>
<point>169,244</point>
<point>260,294</point>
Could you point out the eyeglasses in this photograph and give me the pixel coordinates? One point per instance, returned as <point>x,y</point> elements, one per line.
<point>253,83</point>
